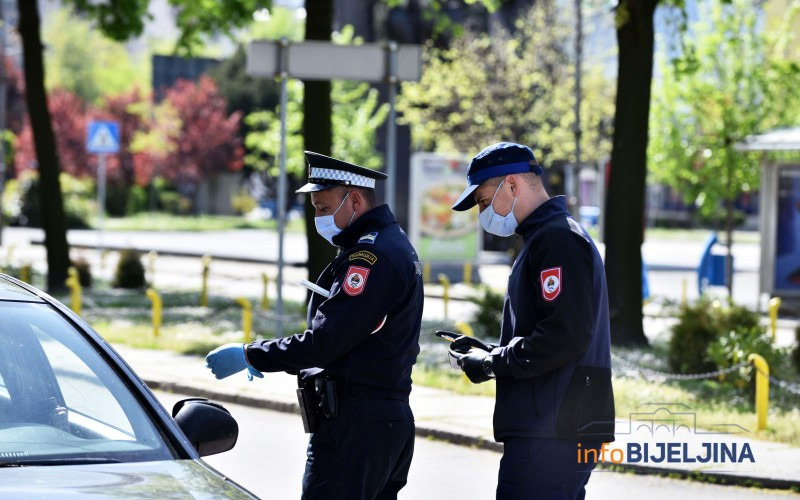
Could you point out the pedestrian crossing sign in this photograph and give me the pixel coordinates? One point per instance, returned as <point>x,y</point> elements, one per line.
<point>102,137</point>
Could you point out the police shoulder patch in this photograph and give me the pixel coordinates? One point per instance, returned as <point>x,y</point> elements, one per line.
<point>550,280</point>
<point>369,238</point>
<point>355,280</point>
<point>363,255</point>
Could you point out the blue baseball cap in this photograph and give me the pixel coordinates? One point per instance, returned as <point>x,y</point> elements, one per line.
<point>497,160</point>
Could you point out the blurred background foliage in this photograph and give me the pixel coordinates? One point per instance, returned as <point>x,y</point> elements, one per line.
<point>512,86</point>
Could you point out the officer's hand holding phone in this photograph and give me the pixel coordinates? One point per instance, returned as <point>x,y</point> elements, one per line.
<point>469,354</point>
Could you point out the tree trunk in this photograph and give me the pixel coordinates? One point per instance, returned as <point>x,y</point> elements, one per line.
<point>55,231</point>
<point>317,131</point>
<point>625,210</point>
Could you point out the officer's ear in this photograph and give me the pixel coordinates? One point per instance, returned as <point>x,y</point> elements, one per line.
<point>511,180</point>
<point>358,200</point>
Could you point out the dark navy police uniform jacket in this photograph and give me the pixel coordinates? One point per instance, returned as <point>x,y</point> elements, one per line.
<point>553,365</point>
<point>376,284</point>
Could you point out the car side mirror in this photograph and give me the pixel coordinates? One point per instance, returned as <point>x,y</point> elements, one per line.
<point>209,427</point>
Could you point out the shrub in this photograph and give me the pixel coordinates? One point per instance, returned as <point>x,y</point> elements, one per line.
<point>242,203</point>
<point>84,271</point>
<point>130,271</point>
<point>697,328</point>
<point>137,200</point>
<point>708,337</point>
<point>174,202</point>
<point>735,346</point>
<point>490,313</point>
<point>22,205</point>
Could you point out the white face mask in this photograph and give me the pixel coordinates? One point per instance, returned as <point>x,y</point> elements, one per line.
<point>501,225</point>
<point>326,226</point>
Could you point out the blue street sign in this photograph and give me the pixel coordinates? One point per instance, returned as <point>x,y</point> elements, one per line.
<point>103,137</point>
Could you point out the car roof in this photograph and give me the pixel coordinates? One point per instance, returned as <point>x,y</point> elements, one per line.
<point>12,290</point>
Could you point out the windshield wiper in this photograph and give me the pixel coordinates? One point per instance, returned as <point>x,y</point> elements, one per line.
<point>60,461</point>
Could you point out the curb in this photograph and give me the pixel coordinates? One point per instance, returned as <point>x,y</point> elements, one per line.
<point>719,478</point>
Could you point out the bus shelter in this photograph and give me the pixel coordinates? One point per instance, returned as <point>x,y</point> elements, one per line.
<point>779,211</point>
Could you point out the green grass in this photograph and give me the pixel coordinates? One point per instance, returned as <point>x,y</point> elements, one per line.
<point>124,317</point>
<point>158,221</point>
<point>450,380</point>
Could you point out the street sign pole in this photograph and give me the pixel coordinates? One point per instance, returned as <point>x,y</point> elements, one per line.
<point>101,198</point>
<point>284,75</point>
<point>391,127</point>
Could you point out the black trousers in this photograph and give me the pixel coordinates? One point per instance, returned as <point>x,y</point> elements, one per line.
<point>364,453</point>
<point>543,469</point>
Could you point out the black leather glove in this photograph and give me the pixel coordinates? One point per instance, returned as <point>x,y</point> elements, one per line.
<point>462,343</point>
<point>477,365</point>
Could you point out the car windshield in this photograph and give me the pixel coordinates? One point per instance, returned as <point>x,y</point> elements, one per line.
<point>60,401</point>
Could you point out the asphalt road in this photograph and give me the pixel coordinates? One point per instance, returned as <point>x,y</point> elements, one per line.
<point>270,456</point>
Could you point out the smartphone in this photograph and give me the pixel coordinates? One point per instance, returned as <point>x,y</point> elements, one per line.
<point>451,336</point>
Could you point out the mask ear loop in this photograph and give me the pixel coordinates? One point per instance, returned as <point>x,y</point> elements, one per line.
<point>513,203</point>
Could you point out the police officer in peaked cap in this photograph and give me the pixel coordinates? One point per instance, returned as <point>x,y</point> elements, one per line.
<point>555,405</point>
<point>354,360</point>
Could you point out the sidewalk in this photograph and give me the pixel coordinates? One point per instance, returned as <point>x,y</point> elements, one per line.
<point>467,420</point>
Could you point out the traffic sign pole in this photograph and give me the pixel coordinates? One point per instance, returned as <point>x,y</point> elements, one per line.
<point>101,198</point>
<point>283,60</point>
<point>391,127</point>
<point>102,139</point>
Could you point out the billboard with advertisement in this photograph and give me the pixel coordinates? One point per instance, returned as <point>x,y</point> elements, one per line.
<point>787,233</point>
<point>436,231</point>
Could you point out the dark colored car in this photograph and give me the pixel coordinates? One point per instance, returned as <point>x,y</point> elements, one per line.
<point>75,420</point>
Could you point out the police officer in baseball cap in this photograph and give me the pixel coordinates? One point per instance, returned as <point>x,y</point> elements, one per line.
<point>554,401</point>
<point>354,359</point>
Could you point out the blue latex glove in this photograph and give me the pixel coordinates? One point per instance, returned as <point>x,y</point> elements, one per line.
<point>228,359</point>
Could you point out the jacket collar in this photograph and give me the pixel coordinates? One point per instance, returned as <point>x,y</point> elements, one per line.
<point>554,207</point>
<point>373,220</point>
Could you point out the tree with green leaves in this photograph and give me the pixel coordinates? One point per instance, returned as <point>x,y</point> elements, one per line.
<point>355,120</point>
<point>512,87</point>
<point>83,61</point>
<point>730,81</point>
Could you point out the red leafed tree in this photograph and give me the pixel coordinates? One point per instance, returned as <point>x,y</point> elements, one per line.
<point>69,115</point>
<point>128,110</point>
<point>15,97</point>
<point>208,141</point>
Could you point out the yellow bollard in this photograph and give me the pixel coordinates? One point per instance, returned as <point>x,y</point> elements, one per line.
<point>25,273</point>
<point>103,256</point>
<point>684,284</point>
<point>467,273</point>
<point>155,298</point>
<point>762,389</point>
<point>204,290</point>
<point>151,266</point>
<point>74,284</point>
<point>264,296</point>
<point>445,281</point>
<point>426,272</point>
<point>247,319</point>
<point>464,328</point>
<point>774,305</point>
